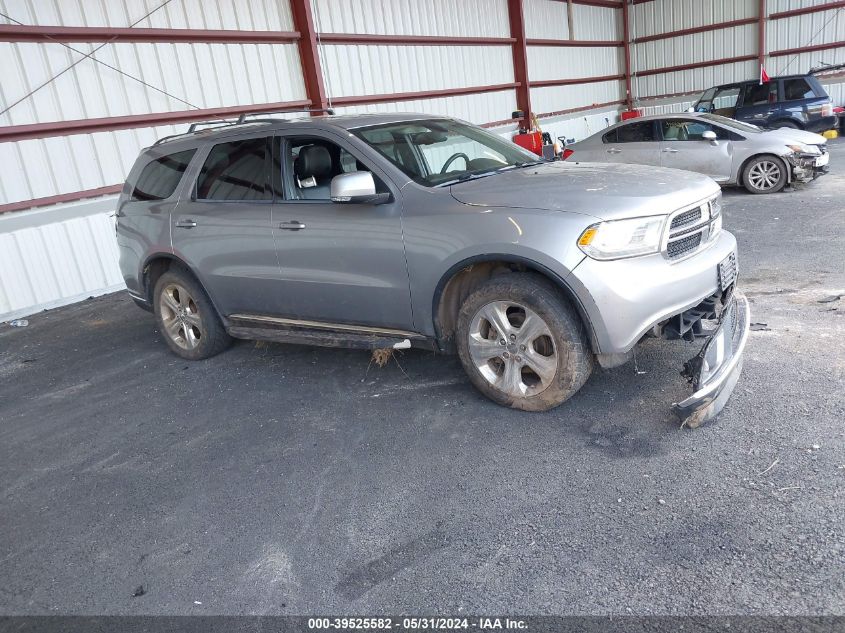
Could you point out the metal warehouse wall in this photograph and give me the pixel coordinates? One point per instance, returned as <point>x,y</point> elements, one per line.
<point>85,84</point>
<point>680,47</point>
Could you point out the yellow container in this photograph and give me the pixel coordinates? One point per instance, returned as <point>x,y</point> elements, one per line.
<point>830,134</point>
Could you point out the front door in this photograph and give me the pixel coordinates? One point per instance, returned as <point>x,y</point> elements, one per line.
<point>759,103</point>
<point>340,263</point>
<point>634,142</point>
<point>223,229</point>
<point>683,147</point>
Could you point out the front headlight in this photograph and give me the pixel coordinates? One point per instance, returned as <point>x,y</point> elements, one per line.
<point>801,148</point>
<point>616,239</point>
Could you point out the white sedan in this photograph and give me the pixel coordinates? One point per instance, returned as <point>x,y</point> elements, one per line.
<point>730,152</point>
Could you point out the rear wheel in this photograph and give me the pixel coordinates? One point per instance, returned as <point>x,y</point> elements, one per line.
<point>186,318</point>
<point>764,174</point>
<point>787,124</point>
<point>521,344</point>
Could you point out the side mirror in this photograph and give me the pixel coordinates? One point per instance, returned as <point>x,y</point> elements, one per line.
<point>357,187</point>
<point>709,135</point>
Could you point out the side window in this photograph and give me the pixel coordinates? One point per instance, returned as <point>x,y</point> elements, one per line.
<point>635,132</point>
<point>158,180</point>
<point>760,94</point>
<point>797,89</point>
<point>686,130</point>
<point>726,98</point>
<point>238,170</point>
<point>610,137</point>
<point>310,163</point>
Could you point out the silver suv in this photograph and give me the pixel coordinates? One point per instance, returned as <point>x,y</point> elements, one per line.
<point>406,230</point>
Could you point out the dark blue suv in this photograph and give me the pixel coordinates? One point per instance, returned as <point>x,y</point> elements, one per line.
<point>796,101</point>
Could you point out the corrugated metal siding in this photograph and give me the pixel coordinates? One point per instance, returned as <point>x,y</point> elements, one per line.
<point>824,27</point>
<point>247,15</point>
<point>474,18</point>
<point>203,75</point>
<point>553,62</point>
<point>477,108</point>
<point>663,16</point>
<point>548,19</point>
<point>366,69</point>
<point>43,266</point>
<point>556,98</point>
<point>696,79</point>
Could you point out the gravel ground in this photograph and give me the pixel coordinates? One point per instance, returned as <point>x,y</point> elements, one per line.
<point>278,479</point>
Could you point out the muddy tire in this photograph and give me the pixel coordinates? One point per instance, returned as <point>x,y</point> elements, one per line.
<point>764,174</point>
<point>186,317</point>
<point>521,344</point>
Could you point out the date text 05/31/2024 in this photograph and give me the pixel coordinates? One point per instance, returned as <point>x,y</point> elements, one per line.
<point>436,623</point>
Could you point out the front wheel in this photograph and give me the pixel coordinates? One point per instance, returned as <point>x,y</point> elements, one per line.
<point>764,174</point>
<point>521,344</point>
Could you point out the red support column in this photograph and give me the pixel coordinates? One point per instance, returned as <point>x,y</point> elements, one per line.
<point>761,32</point>
<point>626,40</point>
<point>309,55</point>
<point>520,60</point>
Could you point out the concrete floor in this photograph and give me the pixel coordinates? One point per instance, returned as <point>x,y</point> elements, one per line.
<point>277,479</point>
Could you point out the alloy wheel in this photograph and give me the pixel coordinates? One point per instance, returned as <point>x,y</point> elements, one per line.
<point>513,348</point>
<point>765,175</point>
<point>180,316</point>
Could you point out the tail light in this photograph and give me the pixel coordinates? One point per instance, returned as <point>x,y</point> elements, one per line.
<point>567,153</point>
<point>827,109</point>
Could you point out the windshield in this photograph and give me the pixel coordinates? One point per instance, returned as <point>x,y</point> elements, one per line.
<point>732,123</point>
<point>441,152</point>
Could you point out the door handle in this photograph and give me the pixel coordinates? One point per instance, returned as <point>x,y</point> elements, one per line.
<point>613,150</point>
<point>669,150</point>
<point>292,225</point>
<point>186,223</point>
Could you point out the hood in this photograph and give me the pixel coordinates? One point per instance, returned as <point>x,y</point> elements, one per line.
<point>791,135</point>
<point>602,190</point>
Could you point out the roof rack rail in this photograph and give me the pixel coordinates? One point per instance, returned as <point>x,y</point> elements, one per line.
<point>213,123</point>
<point>243,116</point>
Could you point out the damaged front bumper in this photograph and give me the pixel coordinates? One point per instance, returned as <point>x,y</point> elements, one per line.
<point>715,370</point>
<point>807,167</point>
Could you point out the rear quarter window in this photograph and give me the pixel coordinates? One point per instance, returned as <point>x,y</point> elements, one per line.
<point>794,89</point>
<point>159,178</point>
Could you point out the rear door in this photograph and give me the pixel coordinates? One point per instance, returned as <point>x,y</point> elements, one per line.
<point>802,102</point>
<point>634,142</point>
<point>683,147</point>
<point>222,228</point>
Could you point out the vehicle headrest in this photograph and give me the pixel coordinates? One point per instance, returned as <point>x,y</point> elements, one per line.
<point>313,160</point>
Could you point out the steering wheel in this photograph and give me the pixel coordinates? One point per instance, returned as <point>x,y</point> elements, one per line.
<point>452,159</point>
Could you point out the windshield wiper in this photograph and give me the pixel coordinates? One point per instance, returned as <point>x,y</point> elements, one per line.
<point>469,176</point>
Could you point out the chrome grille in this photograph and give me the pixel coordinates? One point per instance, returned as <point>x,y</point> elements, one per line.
<point>683,246</point>
<point>686,218</point>
<point>689,229</point>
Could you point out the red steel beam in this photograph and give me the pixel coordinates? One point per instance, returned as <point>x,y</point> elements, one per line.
<point>576,43</point>
<point>712,62</point>
<point>626,40</point>
<point>107,124</point>
<point>309,55</point>
<point>807,49</point>
<point>608,4</point>
<point>694,30</point>
<point>422,94</point>
<point>519,52</point>
<point>572,82</point>
<point>27,33</point>
<point>827,6</point>
<point>64,197</point>
<point>761,32</point>
<point>412,40</point>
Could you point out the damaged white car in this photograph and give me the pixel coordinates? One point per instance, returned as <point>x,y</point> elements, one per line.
<point>730,152</point>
